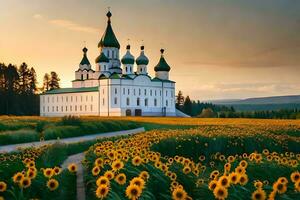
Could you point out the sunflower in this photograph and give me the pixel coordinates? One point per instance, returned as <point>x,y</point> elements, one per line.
<point>295,176</point>
<point>144,175</point>
<point>99,162</point>
<point>223,181</point>
<point>121,179</point>
<point>212,184</point>
<point>3,186</point>
<point>231,159</point>
<point>57,170</point>
<point>102,180</point>
<point>136,161</point>
<point>96,171</point>
<point>133,192</point>
<point>102,191</point>
<point>220,192</point>
<point>283,180</point>
<point>243,163</point>
<point>227,167</point>
<point>259,195</point>
<point>72,167</point>
<point>186,170</point>
<point>109,174</point>
<point>240,170</point>
<point>258,184</point>
<point>18,177</point>
<point>25,182</point>
<point>48,172</point>
<point>31,174</point>
<point>243,179</point>
<point>233,178</point>
<point>179,194</point>
<point>52,184</point>
<point>138,181</point>
<point>117,165</point>
<point>279,187</point>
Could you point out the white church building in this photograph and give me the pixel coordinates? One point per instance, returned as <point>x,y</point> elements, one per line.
<point>115,87</point>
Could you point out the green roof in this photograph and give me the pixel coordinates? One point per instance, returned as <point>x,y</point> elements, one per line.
<point>109,38</point>
<point>85,60</point>
<point>161,80</point>
<point>142,59</point>
<point>162,64</point>
<point>102,58</point>
<point>72,90</point>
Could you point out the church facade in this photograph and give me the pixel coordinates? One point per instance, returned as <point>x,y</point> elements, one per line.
<point>117,87</point>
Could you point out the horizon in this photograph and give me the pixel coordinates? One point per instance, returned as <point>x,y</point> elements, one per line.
<point>235,50</point>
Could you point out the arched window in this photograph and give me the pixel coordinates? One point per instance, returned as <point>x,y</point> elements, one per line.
<point>127,101</point>
<point>87,76</point>
<point>146,102</point>
<point>116,91</point>
<point>108,53</point>
<point>138,101</point>
<point>81,76</point>
<point>116,100</point>
<point>167,102</point>
<point>126,69</point>
<point>155,102</point>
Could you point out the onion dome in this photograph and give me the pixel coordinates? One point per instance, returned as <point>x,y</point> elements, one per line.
<point>85,60</point>
<point>142,59</point>
<point>102,58</point>
<point>109,39</point>
<point>162,64</point>
<point>128,57</point>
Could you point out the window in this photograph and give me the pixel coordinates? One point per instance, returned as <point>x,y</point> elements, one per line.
<point>145,92</point>
<point>85,108</point>
<point>80,108</point>
<point>126,69</point>
<point>155,92</point>
<point>56,108</point>
<point>81,98</point>
<point>91,98</point>
<point>160,92</point>
<point>155,102</point>
<point>128,91</point>
<point>166,93</point>
<point>116,91</point>
<point>62,99</point>
<point>70,108</point>
<point>123,90</point>
<point>75,108</point>
<point>167,102</point>
<point>52,99</point>
<point>127,101</point>
<point>71,98</point>
<point>76,98</point>
<point>139,91</point>
<point>91,107</point>
<point>103,101</point>
<point>108,53</point>
<point>113,54</point>
<point>146,102</point>
<point>150,92</point>
<point>87,76</point>
<point>81,76</point>
<point>48,108</point>
<point>62,109</point>
<point>66,108</point>
<point>134,92</point>
<point>66,98</point>
<point>48,99</point>
<point>138,101</point>
<point>116,100</point>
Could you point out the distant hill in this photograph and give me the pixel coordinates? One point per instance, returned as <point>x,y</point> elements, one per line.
<point>262,103</point>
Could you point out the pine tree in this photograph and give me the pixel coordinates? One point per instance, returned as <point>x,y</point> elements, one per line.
<point>46,82</point>
<point>54,81</point>
<point>187,106</point>
<point>24,82</point>
<point>32,81</point>
<point>179,100</point>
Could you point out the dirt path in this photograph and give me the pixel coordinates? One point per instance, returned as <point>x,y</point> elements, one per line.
<point>14,147</point>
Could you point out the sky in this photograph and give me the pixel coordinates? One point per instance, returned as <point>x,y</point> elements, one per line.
<point>217,49</point>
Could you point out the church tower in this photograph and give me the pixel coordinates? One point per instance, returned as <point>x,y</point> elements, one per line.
<point>142,62</point>
<point>110,46</point>
<point>128,61</point>
<point>162,68</point>
<point>84,67</point>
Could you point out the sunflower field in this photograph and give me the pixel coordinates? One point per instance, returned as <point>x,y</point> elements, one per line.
<point>200,159</point>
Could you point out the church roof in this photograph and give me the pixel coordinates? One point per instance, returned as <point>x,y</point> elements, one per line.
<point>142,59</point>
<point>102,58</point>
<point>85,60</point>
<point>128,58</point>
<point>109,39</point>
<point>162,64</point>
<point>72,90</point>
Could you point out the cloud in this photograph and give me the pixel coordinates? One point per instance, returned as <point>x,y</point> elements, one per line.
<point>67,24</point>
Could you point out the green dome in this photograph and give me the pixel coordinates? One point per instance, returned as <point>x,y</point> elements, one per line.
<point>128,57</point>
<point>109,39</point>
<point>85,60</point>
<point>162,64</point>
<point>142,59</point>
<point>102,58</point>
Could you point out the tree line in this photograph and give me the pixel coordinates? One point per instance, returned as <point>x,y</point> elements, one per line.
<point>209,110</point>
<point>19,90</point>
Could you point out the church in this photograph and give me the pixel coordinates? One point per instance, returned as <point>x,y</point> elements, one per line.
<point>116,87</point>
